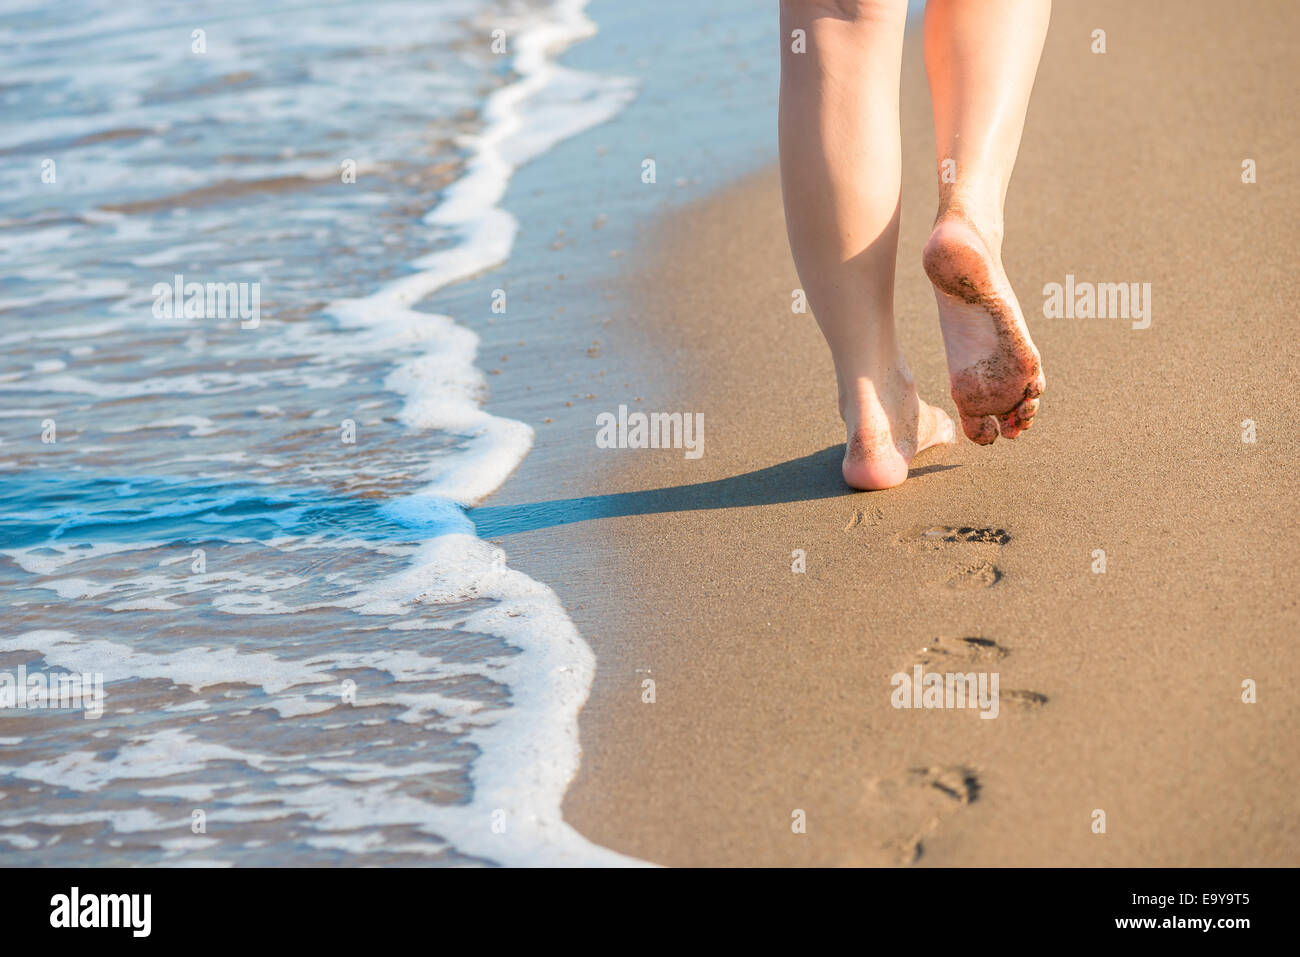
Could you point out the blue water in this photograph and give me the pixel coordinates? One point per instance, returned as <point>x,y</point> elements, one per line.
<point>253,531</point>
<point>267,539</point>
<point>46,509</point>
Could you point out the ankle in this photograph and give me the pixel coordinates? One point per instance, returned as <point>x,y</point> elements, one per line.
<point>985,215</point>
<point>863,397</point>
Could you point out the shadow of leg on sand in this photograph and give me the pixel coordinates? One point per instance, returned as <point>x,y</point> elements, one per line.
<point>805,479</point>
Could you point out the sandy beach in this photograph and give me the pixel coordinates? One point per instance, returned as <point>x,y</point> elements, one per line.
<point>1122,689</point>
<point>326,541</point>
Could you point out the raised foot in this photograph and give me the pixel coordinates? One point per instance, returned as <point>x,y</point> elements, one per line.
<point>994,370</point>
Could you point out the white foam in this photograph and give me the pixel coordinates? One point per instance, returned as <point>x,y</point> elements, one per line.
<point>145,604</point>
<point>186,792</point>
<point>527,740</point>
<point>196,668</point>
<point>443,388</point>
<point>530,752</point>
<point>199,425</point>
<point>20,841</point>
<point>47,559</point>
<point>159,754</point>
<point>290,687</point>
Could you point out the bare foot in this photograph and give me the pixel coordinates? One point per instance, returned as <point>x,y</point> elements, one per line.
<point>887,424</point>
<point>993,367</point>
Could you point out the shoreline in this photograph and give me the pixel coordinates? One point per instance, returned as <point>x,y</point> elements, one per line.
<point>772,687</point>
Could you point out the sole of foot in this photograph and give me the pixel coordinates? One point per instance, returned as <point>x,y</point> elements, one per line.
<point>994,369</point>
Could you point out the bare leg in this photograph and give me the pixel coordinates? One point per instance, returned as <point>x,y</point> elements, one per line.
<point>981,58</point>
<point>840,169</point>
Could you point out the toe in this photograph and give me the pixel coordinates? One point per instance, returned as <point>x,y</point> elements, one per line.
<point>1026,411</point>
<point>980,429</point>
<point>1009,425</point>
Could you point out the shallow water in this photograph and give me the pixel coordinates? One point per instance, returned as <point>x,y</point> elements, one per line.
<point>250,525</point>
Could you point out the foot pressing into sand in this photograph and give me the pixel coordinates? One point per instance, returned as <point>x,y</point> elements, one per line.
<point>886,425</point>
<point>993,367</point>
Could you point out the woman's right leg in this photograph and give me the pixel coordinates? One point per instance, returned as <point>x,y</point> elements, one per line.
<point>840,175</point>
<point>981,57</point>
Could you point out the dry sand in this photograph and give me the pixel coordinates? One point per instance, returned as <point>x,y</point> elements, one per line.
<point>773,688</point>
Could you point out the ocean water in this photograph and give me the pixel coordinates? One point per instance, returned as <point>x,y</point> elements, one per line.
<point>250,525</point>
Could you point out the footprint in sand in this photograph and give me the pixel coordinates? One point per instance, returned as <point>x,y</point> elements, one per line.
<point>908,809</point>
<point>975,575</point>
<point>981,573</point>
<point>975,654</point>
<point>980,541</point>
<point>965,534</point>
<point>1029,700</point>
<point>865,516</point>
<point>912,806</point>
<point>941,652</point>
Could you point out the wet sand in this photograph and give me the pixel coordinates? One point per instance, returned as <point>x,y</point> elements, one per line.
<point>1121,691</point>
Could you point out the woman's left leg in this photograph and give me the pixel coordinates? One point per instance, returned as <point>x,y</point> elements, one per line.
<point>840,175</point>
